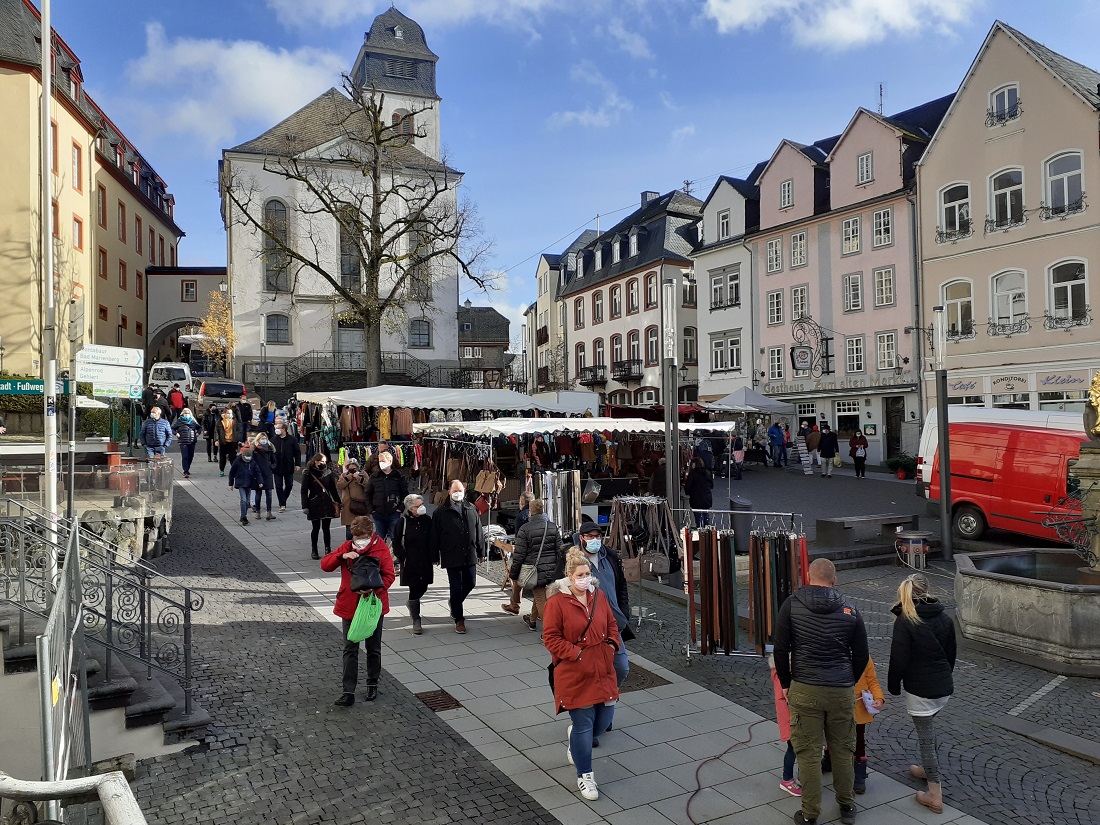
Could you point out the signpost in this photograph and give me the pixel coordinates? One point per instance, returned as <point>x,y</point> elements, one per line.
<point>111,356</point>
<point>131,391</point>
<point>31,386</point>
<point>115,372</point>
<point>107,374</point>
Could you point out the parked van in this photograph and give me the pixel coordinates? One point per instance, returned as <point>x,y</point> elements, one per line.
<point>220,391</point>
<point>165,374</point>
<point>1009,468</point>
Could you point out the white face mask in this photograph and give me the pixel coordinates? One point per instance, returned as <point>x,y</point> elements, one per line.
<point>583,583</point>
<point>384,466</point>
<point>458,495</point>
<point>421,510</point>
<point>360,543</point>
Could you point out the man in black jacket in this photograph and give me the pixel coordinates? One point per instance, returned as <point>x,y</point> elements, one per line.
<point>458,539</point>
<point>288,459</point>
<point>386,490</point>
<point>820,653</point>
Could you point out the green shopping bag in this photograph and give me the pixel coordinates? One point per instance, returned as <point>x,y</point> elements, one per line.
<point>365,619</point>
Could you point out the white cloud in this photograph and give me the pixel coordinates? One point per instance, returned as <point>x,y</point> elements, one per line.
<point>669,102</point>
<point>611,107</point>
<point>630,42</point>
<point>840,24</point>
<point>208,88</point>
<point>335,13</point>
<point>684,132</point>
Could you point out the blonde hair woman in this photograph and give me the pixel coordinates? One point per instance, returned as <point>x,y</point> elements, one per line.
<point>922,657</point>
<point>582,636</point>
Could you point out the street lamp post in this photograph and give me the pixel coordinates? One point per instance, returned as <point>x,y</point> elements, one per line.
<point>671,393</point>
<point>944,440</point>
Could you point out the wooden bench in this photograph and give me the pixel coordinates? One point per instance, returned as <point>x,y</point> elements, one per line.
<point>838,532</point>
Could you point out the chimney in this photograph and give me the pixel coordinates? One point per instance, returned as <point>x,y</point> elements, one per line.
<point>649,196</point>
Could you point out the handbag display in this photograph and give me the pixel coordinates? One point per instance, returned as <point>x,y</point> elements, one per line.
<point>365,620</point>
<point>529,573</point>
<point>366,575</point>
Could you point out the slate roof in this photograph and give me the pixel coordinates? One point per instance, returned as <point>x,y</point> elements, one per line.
<point>412,43</point>
<point>670,232</point>
<point>551,259</point>
<point>328,117</point>
<point>1081,78</point>
<point>382,50</point>
<point>18,33</point>
<point>488,326</point>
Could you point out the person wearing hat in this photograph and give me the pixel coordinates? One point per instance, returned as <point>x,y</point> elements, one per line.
<point>354,500</point>
<point>246,477</point>
<point>608,576</point>
<point>830,448</point>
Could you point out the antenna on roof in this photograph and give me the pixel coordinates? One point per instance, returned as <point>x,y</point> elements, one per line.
<point>880,96</point>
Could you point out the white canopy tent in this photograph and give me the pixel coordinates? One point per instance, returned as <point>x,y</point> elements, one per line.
<point>744,400</point>
<point>389,395</point>
<point>527,426</point>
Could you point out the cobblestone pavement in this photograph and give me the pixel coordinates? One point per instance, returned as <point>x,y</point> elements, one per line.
<point>278,751</point>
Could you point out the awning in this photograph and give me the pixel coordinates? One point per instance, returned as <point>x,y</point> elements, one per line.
<point>431,398</point>
<point>529,426</point>
<point>745,400</point>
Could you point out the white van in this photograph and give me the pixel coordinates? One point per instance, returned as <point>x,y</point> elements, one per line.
<point>165,374</point>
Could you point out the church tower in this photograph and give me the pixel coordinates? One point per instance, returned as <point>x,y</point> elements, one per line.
<point>395,60</point>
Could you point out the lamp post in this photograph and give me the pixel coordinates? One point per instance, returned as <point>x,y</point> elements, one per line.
<point>671,392</point>
<point>944,441</point>
<point>1,356</point>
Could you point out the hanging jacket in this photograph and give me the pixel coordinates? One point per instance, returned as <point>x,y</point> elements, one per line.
<point>922,656</point>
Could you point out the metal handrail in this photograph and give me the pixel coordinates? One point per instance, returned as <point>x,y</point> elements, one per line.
<point>118,802</point>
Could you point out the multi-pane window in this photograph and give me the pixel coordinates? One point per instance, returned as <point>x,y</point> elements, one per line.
<point>651,290</point>
<point>351,266</point>
<point>616,349</point>
<point>723,224</point>
<point>955,210</point>
<point>78,168</point>
<point>276,263</point>
<point>775,363</point>
<point>853,292</point>
<point>798,249</point>
<point>278,329</point>
<point>152,245</point>
<point>775,307</point>
<point>775,255</point>
<point>616,301</point>
<point>849,230</point>
<point>122,221</point>
<point>597,307</point>
<point>786,194</point>
<point>1069,292</point>
<point>599,258</point>
<point>471,352</point>
<point>1009,297</point>
<point>598,353</point>
<point>578,313</point>
<point>725,351</point>
<point>101,206</point>
<point>733,287</point>
<point>886,350</point>
<point>140,279</point>
<point>102,263</point>
<point>420,333</point>
<point>958,303</point>
<point>865,172</point>
<point>733,352</point>
<point>78,233</point>
<point>652,346</point>
<point>718,354</point>
<point>616,250</point>
<point>884,227</point>
<point>1064,187</point>
<point>138,234</point>
<point>800,302</point>
<point>580,358</point>
<point>884,286</point>
<point>634,345</point>
<point>691,346</point>
<point>122,275</point>
<point>717,291</point>
<point>1004,105</point>
<point>632,296</point>
<point>1008,198</point>
<point>633,245</point>
<point>690,289</point>
<point>853,352</point>
<point>807,409</point>
<point>189,290</point>
<point>847,407</point>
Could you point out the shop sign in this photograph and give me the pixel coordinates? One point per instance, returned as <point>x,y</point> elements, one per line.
<point>870,430</point>
<point>963,386</point>
<point>872,382</point>
<point>1062,380</point>
<point>1002,384</point>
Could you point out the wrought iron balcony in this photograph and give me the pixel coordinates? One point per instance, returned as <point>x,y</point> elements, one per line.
<point>593,376</point>
<point>542,336</point>
<point>993,117</point>
<point>1011,222</point>
<point>629,370</point>
<point>965,230</point>
<point>996,328</point>
<point>725,304</point>
<point>959,333</point>
<point>1066,320</point>
<point>1062,212</point>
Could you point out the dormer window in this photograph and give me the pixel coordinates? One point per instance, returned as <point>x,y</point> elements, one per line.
<point>633,245</point>
<point>599,257</point>
<point>1004,105</point>
<point>616,251</point>
<point>865,171</point>
<point>398,33</point>
<point>723,224</point>
<point>786,194</point>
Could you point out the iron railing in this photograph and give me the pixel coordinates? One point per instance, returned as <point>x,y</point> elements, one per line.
<point>999,117</point>
<point>629,370</point>
<point>1065,320</point>
<point>964,230</point>
<point>1010,221</point>
<point>1062,211</point>
<point>590,376</point>
<point>1007,329</point>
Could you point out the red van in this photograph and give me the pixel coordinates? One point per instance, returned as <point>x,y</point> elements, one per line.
<point>1009,468</point>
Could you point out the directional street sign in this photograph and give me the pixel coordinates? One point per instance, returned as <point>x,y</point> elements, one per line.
<point>104,374</point>
<point>116,390</point>
<point>111,356</point>
<point>29,386</point>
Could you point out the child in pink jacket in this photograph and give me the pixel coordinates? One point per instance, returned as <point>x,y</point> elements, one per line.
<point>783,719</point>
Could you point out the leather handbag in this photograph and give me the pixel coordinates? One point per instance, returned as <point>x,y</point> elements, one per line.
<point>529,573</point>
<point>481,504</point>
<point>358,507</point>
<point>366,575</point>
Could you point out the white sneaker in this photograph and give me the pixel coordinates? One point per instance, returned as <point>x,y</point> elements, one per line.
<point>568,751</point>
<point>587,785</point>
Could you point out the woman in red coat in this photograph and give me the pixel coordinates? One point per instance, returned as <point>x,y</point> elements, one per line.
<point>582,636</point>
<point>363,542</point>
<point>857,449</point>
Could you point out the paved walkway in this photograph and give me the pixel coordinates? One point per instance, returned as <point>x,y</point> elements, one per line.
<point>647,768</point>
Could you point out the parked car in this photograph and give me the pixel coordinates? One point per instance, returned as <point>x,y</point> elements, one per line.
<point>219,391</point>
<point>165,373</point>
<point>1009,468</point>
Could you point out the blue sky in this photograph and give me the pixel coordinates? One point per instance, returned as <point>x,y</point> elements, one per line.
<point>556,110</point>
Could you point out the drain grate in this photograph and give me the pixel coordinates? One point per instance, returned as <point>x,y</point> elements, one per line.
<point>640,679</point>
<point>438,700</point>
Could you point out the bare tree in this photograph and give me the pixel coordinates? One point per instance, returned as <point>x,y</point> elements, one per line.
<point>399,221</point>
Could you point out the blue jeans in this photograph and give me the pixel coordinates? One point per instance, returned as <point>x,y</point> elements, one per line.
<point>268,482</point>
<point>622,668</point>
<point>788,763</point>
<point>702,518</point>
<point>385,525</point>
<point>151,451</point>
<point>187,451</point>
<point>588,722</point>
<point>244,493</point>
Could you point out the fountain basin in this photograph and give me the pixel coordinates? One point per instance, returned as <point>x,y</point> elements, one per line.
<point>1036,605</point>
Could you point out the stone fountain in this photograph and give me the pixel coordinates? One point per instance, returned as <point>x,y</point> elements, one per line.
<point>1043,605</point>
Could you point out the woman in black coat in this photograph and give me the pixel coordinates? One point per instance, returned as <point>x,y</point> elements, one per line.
<point>699,486</point>
<point>320,499</point>
<point>210,430</point>
<point>538,542</point>
<point>922,657</point>
<point>412,546</point>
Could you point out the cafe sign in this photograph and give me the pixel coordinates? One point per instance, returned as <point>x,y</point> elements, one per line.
<point>1007,384</point>
<point>963,386</point>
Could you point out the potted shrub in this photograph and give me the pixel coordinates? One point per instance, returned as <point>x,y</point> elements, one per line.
<point>903,464</point>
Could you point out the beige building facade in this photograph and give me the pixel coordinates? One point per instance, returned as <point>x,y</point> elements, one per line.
<point>1009,240</point>
<point>111,213</point>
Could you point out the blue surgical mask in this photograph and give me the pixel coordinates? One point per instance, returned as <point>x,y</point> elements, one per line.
<point>593,545</point>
